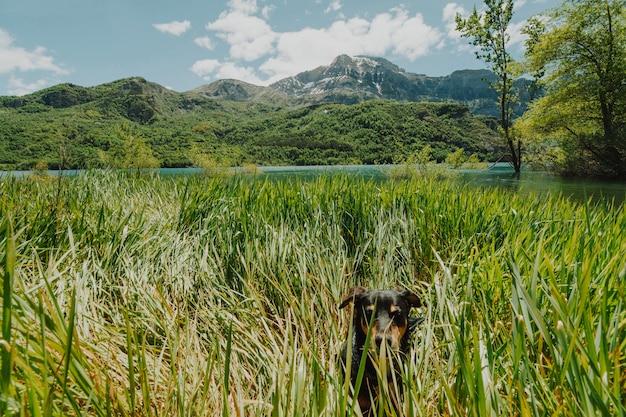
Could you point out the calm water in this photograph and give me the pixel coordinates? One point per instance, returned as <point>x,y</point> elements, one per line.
<point>544,182</point>
<point>501,176</point>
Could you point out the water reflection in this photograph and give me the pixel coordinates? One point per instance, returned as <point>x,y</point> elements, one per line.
<point>544,182</point>
<point>501,176</point>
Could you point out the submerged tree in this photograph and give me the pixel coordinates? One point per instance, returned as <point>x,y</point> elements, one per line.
<point>488,32</point>
<point>581,47</point>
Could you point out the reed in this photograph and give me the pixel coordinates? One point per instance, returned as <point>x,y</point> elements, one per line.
<point>217,296</point>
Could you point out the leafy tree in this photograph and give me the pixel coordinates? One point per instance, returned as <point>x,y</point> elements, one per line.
<point>456,158</point>
<point>534,29</point>
<point>582,50</point>
<point>131,152</point>
<point>488,32</point>
<point>41,168</point>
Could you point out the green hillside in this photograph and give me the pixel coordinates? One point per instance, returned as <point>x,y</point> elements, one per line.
<point>89,127</point>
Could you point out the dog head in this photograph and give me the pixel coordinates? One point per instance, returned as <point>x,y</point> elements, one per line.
<point>386,310</point>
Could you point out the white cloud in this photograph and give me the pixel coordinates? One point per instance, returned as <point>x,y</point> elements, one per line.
<point>516,36</point>
<point>267,11</point>
<point>411,36</point>
<point>243,6</point>
<point>234,71</point>
<point>14,58</point>
<point>212,69</point>
<point>175,28</point>
<point>450,11</point>
<point>204,42</point>
<point>250,38</point>
<point>397,33</point>
<point>334,6</point>
<point>17,86</point>
<point>205,67</point>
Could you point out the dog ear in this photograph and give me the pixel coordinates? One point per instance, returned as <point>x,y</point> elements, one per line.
<point>412,299</point>
<point>353,294</point>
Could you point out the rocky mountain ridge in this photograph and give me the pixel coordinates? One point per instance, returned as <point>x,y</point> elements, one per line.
<point>347,80</point>
<point>350,80</point>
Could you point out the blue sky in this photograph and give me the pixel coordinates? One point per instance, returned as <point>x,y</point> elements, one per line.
<point>182,44</point>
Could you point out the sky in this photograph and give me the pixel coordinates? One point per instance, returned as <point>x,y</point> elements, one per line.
<point>182,44</point>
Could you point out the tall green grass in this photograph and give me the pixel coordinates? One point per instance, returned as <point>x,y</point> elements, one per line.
<point>144,296</point>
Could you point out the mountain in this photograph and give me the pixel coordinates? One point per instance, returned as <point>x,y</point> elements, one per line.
<point>358,76</point>
<point>351,80</point>
<point>133,98</point>
<point>236,90</point>
<point>356,110</point>
<point>347,80</point>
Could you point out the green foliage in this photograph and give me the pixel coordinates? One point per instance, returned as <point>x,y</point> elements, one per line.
<point>218,296</point>
<point>456,158</point>
<point>488,31</point>
<point>419,164</point>
<point>580,48</point>
<point>422,157</point>
<point>209,164</point>
<point>178,127</point>
<point>130,151</point>
<point>370,132</point>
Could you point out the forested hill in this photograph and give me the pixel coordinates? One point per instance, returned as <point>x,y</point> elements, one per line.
<point>91,127</point>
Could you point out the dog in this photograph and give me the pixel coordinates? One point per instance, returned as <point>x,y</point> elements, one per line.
<point>387,311</point>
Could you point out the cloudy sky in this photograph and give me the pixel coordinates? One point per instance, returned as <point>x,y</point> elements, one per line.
<point>182,44</point>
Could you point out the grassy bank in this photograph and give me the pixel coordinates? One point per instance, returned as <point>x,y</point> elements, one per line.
<point>202,297</point>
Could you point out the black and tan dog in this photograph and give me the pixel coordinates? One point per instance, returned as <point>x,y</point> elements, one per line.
<point>388,313</point>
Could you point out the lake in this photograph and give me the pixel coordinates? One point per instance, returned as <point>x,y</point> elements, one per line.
<point>500,176</point>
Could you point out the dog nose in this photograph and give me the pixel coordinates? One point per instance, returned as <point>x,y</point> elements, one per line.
<point>383,338</point>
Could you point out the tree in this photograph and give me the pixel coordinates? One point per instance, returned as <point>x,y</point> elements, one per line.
<point>488,32</point>
<point>456,158</point>
<point>131,152</point>
<point>582,50</point>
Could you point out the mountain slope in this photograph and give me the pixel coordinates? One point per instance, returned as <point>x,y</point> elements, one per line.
<point>236,90</point>
<point>370,76</point>
<point>329,115</point>
<point>353,79</point>
<point>181,129</point>
<point>133,98</point>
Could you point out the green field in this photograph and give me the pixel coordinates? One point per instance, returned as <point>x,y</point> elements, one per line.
<point>197,296</point>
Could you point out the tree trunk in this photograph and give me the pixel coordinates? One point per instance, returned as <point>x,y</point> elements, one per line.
<point>516,152</point>
<point>516,155</point>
